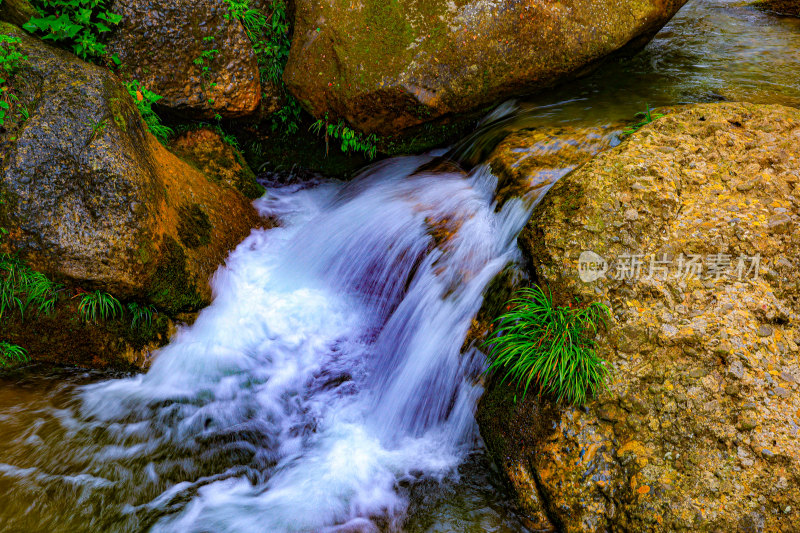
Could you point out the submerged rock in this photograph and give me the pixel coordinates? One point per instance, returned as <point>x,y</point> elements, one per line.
<point>528,162</point>
<point>699,428</point>
<point>161,42</point>
<point>388,66</point>
<point>90,196</point>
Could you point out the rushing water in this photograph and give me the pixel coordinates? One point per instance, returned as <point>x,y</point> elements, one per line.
<point>325,377</point>
<point>324,389</point>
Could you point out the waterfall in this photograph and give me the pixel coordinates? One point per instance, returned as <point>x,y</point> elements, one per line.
<point>326,375</point>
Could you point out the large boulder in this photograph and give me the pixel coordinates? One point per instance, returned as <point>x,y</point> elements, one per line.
<point>17,11</point>
<point>388,66</point>
<point>159,42</point>
<point>697,218</point>
<point>90,196</point>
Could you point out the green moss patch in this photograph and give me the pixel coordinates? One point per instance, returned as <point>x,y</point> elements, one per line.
<point>194,226</point>
<point>172,288</point>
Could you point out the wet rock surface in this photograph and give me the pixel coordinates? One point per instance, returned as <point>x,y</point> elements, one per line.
<point>206,150</point>
<point>782,7</point>
<point>698,430</point>
<point>159,42</point>
<point>92,198</point>
<point>529,162</point>
<point>386,67</point>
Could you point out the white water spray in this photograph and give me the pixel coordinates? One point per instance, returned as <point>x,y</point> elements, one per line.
<point>327,373</point>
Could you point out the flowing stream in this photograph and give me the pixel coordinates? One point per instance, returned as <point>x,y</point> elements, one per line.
<point>326,375</point>
<point>325,389</point>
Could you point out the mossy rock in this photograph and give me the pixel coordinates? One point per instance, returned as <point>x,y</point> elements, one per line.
<point>65,338</point>
<point>387,66</point>
<point>17,12</point>
<point>107,208</point>
<point>781,7</point>
<point>206,150</point>
<point>158,42</point>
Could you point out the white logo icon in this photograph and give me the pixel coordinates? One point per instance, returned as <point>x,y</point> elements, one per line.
<point>591,266</point>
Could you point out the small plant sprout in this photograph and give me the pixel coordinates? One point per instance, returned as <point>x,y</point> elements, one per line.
<point>645,117</point>
<point>549,347</point>
<point>144,100</point>
<point>99,305</point>
<point>351,140</point>
<point>10,353</point>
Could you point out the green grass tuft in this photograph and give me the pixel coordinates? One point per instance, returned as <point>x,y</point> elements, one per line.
<point>99,305</point>
<point>141,315</point>
<point>11,353</point>
<point>645,117</point>
<point>550,347</point>
<point>22,288</point>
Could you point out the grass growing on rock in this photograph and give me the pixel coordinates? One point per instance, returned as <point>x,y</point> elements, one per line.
<point>141,315</point>
<point>350,140</point>
<point>144,100</point>
<point>550,347</point>
<point>645,117</point>
<point>11,353</point>
<point>98,305</point>
<point>22,289</point>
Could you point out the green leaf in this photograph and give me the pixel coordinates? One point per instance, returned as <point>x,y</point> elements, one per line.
<point>111,18</point>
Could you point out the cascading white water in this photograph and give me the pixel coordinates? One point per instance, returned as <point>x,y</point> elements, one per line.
<point>326,374</point>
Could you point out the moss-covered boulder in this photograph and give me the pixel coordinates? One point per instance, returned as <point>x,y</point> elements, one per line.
<point>694,223</point>
<point>191,52</point>
<point>207,151</point>
<point>64,337</point>
<point>90,196</point>
<point>17,11</point>
<point>388,65</point>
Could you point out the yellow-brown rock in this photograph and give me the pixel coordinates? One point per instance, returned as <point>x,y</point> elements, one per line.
<point>90,196</point>
<point>207,151</point>
<point>168,44</point>
<point>699,429</point>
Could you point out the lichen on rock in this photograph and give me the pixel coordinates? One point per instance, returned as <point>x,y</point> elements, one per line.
<point>207,151</point>
<point>699,428</point>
